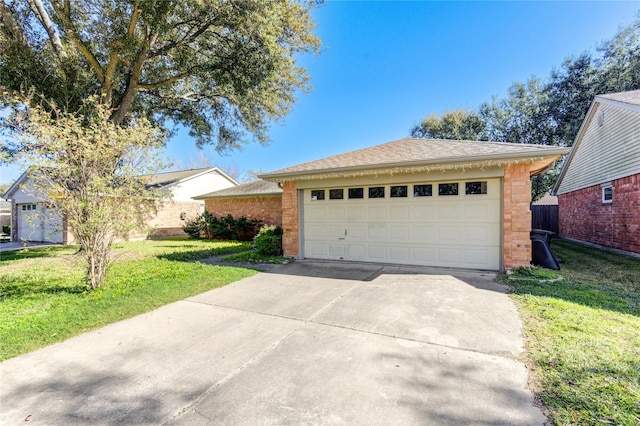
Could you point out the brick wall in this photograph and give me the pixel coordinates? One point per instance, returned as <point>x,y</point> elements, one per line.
<point>290,219</point>
<point>167,222</point>
<point>584,217</point>
<point>266,209</point>
<point>517,216</point>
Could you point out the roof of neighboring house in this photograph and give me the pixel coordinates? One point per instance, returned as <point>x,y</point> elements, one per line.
<point>547,200</point>
<point>171,178</point>
<point>258,188</point>
<point>157,179</point>
<point>630,99</point>
<point>625,146</point>
<point>424,154</point>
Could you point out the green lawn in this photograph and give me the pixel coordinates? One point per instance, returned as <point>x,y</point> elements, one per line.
<point>43,299</point>
<point>583,337</point>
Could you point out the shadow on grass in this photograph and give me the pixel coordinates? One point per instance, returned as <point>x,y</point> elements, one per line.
<point>592,277</point>
<point>191,255</point>
<point>36,252</point>
<point>17,290</point>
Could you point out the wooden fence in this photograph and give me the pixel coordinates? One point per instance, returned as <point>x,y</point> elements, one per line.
<point>545,217</point>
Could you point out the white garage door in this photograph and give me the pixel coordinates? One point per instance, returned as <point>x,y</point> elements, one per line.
<point>453,223</point>
<point>37,223</point>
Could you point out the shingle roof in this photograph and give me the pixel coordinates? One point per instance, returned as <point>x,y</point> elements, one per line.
<point>169,178</point>
<point>258,188</point>
<point>418,151</point>
<point>631,97</point>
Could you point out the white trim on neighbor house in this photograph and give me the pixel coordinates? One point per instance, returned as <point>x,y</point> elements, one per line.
<point>606,147</point>
<point>607,193</point>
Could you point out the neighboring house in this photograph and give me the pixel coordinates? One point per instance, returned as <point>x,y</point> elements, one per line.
<point>461,204</point>
<point>259,199</point>
<point>5,213</point>
<point>598,188</point>
<point>33,221</point>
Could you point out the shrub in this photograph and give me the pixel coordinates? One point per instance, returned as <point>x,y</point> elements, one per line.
<point>269,240</point>
<point>208,226</point>
<point>193,227</point>
<point>6,229</point>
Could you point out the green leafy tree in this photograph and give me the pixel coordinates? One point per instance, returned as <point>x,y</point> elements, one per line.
<point>92,171</point>
<point>457,124</point>
<point>223,69</point>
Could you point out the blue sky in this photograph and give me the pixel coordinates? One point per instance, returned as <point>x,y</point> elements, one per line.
<point>385,65</point>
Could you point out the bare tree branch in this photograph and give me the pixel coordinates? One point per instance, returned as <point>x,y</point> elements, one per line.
<point>151,86</point>
<point>42,15</point>
<point>65,15</point>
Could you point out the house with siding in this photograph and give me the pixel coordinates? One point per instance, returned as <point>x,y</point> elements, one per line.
<point>33,220</point>
<point>463,204</point>
<point>598,188</point>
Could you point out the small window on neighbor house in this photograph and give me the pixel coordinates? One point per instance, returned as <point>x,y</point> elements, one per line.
<point>317,194</point>
<point>376,192</point>
<point>398,191</point>
<point>448,189</point>
<point>473,188</point>
<point>422,190</point>
<point>607,194</point>
<point>356,193</point>
<point>336,194</point>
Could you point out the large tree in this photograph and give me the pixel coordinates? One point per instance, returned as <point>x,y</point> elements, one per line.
<point>88,79</point>
<point>223,69</point>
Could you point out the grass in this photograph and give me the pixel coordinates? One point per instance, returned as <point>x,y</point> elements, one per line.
<point>43,298</point>
<point>255,257</point>
<point>583,337</point>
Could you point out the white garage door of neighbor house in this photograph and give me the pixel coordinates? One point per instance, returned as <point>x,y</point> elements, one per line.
<point>453,223</point>
<point>37,223</point>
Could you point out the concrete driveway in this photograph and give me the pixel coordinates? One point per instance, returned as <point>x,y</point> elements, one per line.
<point>306,343</point>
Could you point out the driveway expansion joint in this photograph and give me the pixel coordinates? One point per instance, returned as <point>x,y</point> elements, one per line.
<point>501,354</point>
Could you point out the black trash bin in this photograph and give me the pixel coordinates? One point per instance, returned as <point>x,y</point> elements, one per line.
<point>541,248</point>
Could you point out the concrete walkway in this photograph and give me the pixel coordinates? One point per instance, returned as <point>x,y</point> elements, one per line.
<point>306,343</point>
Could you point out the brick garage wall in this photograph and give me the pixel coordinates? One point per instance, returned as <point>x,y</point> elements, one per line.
<point>290,219</point>
<point>266,209</point>
<point>584,217</point>
<point>517,216</point>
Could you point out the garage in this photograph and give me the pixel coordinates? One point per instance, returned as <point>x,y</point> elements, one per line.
<point>37,223</point>
<point>453,223</point>
<point>431,202</point>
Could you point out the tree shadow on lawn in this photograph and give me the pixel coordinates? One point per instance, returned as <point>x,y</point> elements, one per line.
<point>37,252</point>
<point>19,289</point>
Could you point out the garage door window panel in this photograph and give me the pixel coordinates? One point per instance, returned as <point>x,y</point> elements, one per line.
<point>422,190</point>
<point>475,188</point>
<point>356,193</point>
<point>398,191</point>
<point>376,192</point>
<point>317,195</point>
<point>445,189</point>
<point>336,194</point>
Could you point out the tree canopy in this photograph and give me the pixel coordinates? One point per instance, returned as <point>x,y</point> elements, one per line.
<point>223,69</point>
<point>457,124</point>
<point>547,111</point>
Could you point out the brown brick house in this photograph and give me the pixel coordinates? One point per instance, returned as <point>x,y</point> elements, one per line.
<point>598,188</point>
<point>259,199</point>
<point>415,201</point>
